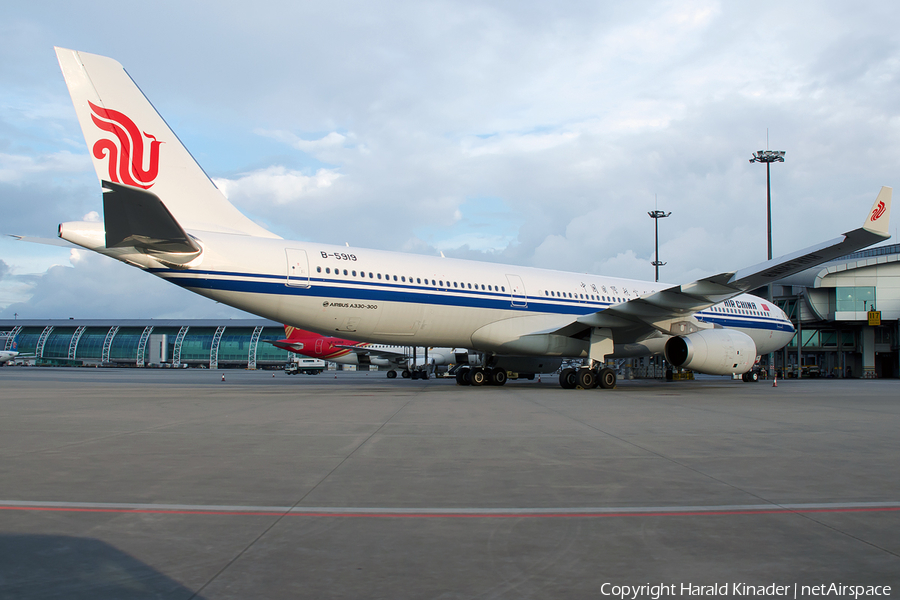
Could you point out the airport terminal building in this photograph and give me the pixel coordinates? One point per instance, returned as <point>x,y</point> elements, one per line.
<point>830,304</point>
<point>231,343</point>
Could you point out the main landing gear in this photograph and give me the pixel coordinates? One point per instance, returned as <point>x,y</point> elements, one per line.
<point>480,376</point>
<point>407,374</point>
<point>587,379</point>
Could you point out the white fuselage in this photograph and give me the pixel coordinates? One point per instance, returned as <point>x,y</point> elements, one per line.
<point>414,300</point>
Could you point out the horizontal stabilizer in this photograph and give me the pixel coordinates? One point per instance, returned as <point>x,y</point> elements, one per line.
<point>137,218</point>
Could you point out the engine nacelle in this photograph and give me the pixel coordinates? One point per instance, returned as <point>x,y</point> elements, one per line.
<point>713,351</point>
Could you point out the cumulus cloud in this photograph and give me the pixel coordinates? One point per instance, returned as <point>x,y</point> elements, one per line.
<point>389,126</point>
<point>19,168</point>
<point>276,184</point>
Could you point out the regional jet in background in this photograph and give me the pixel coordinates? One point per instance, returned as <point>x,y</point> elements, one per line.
<point>163,214</point>
<point>412,363</point>
<point>7,355</point>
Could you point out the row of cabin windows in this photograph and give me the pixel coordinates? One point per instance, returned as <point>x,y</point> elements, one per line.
<point>582,296</point>
<point>418,280</point>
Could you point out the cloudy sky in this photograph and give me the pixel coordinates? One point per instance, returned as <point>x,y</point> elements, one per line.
<point>530,133</point>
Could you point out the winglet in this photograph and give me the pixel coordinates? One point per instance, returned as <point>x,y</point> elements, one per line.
<point>880,217</point>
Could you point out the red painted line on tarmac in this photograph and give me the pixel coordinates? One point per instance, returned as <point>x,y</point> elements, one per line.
<point>454,515</point>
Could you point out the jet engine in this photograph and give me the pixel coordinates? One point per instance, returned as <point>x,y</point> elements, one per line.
<point>713,351</point>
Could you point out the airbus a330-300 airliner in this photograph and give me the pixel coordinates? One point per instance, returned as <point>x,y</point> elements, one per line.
<point>163,214</point>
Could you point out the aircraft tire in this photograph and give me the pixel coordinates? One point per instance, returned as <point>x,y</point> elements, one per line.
<point>498,377</point>
<point>607,379</point>
<point>479,377</point>
<point>464,376</point>
<point>586,378</point>
<point>405,374</point>
<point>754,376</point>
<point>423,374</point>
<point>392,374</point>
<point>567,379</point>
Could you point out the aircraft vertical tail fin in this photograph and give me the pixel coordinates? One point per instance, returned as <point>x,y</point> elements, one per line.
<point>130,144</point>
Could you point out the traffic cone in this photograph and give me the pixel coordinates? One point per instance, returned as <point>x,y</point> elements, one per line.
<point>223,376</point>
<point>775,381</point>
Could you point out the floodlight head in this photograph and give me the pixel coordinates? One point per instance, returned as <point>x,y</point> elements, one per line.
<point>768,156</point>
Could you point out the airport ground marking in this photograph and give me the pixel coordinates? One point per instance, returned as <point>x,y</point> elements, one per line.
<point>449,513</point>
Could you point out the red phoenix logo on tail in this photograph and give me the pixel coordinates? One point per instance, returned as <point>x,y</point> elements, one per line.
<point>879,210</point>
<point>126,158</point>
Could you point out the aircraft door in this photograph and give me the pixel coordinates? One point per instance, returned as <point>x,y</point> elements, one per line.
<point>517,290</point>
<point>297,268</point>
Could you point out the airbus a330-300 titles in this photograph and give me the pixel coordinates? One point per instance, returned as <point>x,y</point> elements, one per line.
<point>162,213</point>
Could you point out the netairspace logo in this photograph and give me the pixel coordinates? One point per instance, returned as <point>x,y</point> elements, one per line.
<point>743,590</point>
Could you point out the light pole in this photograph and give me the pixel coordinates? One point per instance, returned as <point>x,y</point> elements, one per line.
<point>656,215</point>
<point>768,157</point>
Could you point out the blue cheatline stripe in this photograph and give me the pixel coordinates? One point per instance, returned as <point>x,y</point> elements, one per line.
<point>396,292</point>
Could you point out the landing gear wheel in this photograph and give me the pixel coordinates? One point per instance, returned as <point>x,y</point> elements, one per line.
<point>567,379</point>
<point>498,377</point>
<point>392,374</point>
<point>607,378</point>
<point>464,376</point>
<point>586,379</point>
<point>405,374</point>
<point>423,374</point>
<point>479,377</point>
<point>414,374</point>
<point>754,376</point>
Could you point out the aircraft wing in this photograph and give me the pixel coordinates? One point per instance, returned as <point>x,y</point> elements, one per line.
<point>670,310</point>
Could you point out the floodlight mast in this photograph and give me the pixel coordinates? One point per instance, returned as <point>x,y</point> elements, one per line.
<point>768,157</point>
<point>656,215</point>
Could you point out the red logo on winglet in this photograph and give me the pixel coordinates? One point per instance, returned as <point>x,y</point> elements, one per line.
<point>126,158</point>
<point>879,210</point>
